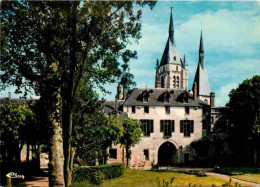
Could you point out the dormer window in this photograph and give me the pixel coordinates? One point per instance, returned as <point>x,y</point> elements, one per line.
<point>145,99</point>
<point>174,58</point>
<point>166,99</point>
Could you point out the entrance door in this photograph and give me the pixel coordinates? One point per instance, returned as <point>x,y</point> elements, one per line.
<point>186,158</point>
<point>167,155</point>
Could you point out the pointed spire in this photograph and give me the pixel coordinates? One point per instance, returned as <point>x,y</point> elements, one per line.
<point>201,52</point>
<point>201,43</point>
<point>171,29</point>
<point>184,61</point>
<point>157,69</point>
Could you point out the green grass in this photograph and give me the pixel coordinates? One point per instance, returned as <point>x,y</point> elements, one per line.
<point>134,177</point>
<point>249,173</point>
<point>249,177</point>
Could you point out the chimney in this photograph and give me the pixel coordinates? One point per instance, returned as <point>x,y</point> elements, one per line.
<point>124,92</point>
<point>212,99</point>
<point>9,95</point>
<point>195,91</point>
<point>116,109</point>
<point>118,92</point>
<point>158,84</point>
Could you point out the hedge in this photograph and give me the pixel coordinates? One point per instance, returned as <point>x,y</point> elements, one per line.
<point>88,173</point>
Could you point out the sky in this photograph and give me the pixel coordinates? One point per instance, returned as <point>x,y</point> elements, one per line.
<point>231,38</point>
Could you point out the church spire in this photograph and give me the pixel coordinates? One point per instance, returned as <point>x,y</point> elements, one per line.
<point>201,52</point>
<point>171,29</point>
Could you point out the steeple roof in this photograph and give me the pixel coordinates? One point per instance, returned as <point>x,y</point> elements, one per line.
<point>202,81</point>
<point>171,54</point>
<point>157,69</point>
<point>171,29</point>
<point>201,77</point>
<point>201,50</point>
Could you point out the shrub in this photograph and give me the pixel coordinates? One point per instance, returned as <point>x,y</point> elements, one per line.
<point>227,172</point>
<point>97,177</point>
<point>197,173</point>
<point>92,173</point>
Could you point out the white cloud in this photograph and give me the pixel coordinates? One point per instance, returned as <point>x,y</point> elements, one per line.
<point>222,94</point>
<point>223,30</point>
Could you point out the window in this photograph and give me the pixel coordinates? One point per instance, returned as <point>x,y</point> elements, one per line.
<point>147,127</point>
<point>177,82</point>
<point>212,119</point>
<point>187,127</point>
<point>174,58</point>
<point>113,153</point>
<point>174,81</point>
<point>206,101</point>
<point>146,109</point>
<point>145,99</point>
<point>204,124</point>
<point>187,110</point>
<point>133,109</point>
<point>167,110</point>
<point>146,154</point>
<point>167,127</point>
<point>176,68</point>
<point>162,81</point>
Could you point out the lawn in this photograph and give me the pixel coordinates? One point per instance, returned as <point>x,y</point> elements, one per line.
<point>250,174</point>
<point>134,177</point>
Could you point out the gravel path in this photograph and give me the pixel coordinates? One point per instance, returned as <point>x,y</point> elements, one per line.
<point>38,181</point>
<point>226,177</point>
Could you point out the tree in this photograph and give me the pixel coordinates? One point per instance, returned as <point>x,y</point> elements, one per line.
<point>94,131</point>
<point>243,115</point>
<point>50,46</point>
<point>15,117</point>
<point>131,135</point>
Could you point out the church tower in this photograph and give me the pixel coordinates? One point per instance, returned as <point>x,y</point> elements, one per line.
<point>172,72</point>
<point>201,78</point>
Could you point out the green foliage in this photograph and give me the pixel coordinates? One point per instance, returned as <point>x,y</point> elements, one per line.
<point>15,118</point>
<point>97,177</point>
<point>244,112</point>
<point>103,172</point>
<point>165,182</point>
<point>197,173</point>
<point>131,135</point>
<point>228,172</point>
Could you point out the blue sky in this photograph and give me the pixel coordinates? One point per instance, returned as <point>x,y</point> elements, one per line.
<point>231,36</point>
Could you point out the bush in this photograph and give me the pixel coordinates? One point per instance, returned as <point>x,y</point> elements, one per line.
<point>92,173</point>
<point>227,172</point>
<point>97,177</point>
<point>197,173</point>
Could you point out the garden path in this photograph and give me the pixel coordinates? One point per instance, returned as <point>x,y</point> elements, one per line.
<point>226,177</point>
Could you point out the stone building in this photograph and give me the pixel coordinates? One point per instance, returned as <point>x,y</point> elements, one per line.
<point>171,116</point>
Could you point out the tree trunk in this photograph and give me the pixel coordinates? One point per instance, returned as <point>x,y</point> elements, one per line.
<point>56,156</point>
<point>28,152</point>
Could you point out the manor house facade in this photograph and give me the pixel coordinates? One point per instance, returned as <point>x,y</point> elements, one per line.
<point>172,117</point>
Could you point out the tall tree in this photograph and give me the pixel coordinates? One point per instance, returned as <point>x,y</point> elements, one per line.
<point>50,46</point>
<point>131,135</point>
<point>243,115</point>
<point>15,118</point>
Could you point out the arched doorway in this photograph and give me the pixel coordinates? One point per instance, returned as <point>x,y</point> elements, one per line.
<point>167,155</point>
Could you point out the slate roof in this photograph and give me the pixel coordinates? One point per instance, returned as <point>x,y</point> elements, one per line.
<point>202,81</point>
<point>171,54</point>
<point>109,107</point>
<point>15,100</point>
<point>201,77</point>
<point>155,95</point>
